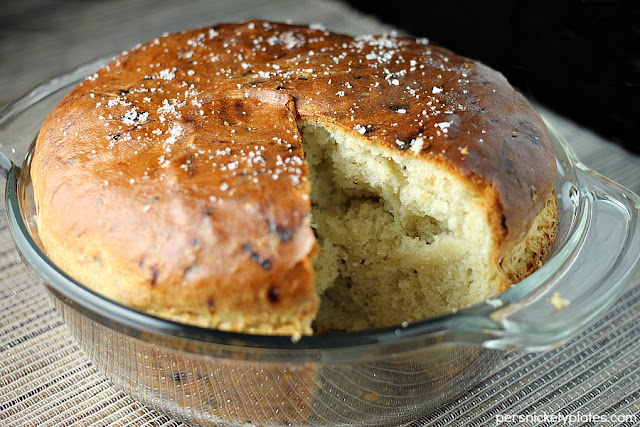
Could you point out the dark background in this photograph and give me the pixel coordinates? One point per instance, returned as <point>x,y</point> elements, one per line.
<point>580,58</point>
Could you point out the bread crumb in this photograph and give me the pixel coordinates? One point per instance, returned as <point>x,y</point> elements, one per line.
<point>495,303</point>
<point>558,302</point>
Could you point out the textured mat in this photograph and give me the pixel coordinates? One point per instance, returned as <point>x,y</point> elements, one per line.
<point>46,380</point>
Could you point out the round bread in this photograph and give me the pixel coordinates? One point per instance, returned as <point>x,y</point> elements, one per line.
<point>237,176</point>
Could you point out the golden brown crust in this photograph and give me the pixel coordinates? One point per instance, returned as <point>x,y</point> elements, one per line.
<point>529,255</point>
<point>179,165</point>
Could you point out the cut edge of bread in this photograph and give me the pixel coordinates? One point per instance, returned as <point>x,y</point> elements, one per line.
<point>403,239</point>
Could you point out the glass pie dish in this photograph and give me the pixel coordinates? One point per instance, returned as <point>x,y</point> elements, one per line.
<point>385,376</point>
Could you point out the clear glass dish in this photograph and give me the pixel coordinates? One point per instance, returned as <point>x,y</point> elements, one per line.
<point>385,376</point>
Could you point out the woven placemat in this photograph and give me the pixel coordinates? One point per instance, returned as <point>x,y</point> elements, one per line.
<point>46,380</point>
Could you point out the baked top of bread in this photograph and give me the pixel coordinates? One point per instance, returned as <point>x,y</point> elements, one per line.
<point>174,179</point>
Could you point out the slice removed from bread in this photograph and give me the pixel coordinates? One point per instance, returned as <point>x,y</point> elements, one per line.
<point>402,239</point>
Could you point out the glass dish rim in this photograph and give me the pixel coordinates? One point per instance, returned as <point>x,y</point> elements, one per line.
<point>478,319</point>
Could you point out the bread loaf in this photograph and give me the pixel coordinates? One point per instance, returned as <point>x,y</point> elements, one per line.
<point>269,178</point>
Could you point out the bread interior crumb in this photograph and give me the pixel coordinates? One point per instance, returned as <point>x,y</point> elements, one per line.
<point>400,240</point>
